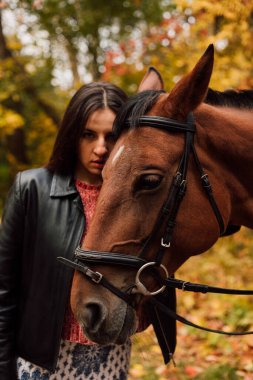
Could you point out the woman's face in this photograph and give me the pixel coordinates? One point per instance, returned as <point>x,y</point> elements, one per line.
<point>95,146</point>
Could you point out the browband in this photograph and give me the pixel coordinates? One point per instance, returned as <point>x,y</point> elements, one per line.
<point>163,123</point>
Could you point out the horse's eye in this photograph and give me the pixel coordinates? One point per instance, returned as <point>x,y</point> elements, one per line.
<point>148,182</point>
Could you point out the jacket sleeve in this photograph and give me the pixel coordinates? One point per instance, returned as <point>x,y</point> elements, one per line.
<point>11,241</point>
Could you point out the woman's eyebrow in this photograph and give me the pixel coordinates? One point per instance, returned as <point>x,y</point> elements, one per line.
<point>89,130</point>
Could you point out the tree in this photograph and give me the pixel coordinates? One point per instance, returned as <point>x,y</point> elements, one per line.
<point>179,40</point>
<point>77,35</point>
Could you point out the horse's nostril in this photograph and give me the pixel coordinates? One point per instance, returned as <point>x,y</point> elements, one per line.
<point>93,316</point>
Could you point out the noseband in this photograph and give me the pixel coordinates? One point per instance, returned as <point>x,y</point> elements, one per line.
<point>166,217</point>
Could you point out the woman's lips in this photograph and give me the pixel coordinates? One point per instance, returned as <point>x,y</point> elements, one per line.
<point>98,164</point>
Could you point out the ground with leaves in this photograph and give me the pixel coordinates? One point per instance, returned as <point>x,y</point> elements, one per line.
<point>200,355</point>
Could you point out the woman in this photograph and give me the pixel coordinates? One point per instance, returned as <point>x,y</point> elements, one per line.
<point>46,215</point>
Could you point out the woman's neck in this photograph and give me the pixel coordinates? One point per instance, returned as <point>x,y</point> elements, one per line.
<point>88,178</point>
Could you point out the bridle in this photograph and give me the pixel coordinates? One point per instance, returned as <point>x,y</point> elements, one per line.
<point>166,217</point>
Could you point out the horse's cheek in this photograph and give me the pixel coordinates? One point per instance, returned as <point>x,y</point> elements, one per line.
<point>77,292</point>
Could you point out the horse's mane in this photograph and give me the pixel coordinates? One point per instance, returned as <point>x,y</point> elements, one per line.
<point>230,98</point>
<point>138,105</point>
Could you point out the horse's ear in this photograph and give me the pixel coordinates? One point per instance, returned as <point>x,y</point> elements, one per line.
<point>152,81</point>
<point>191,90</point>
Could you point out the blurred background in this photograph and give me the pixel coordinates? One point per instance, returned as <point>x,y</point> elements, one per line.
<point>49,48</point>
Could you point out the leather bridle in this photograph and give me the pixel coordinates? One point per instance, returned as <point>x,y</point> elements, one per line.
<point>166,217</point>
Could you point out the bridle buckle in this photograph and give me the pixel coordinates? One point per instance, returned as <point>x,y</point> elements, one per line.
<point>94,276</point>
<point>166,245</point>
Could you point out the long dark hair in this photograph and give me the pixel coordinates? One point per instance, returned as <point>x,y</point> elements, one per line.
<point>88,99</point>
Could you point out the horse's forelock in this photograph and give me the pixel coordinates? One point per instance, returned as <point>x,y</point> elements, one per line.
<point>137,106</point>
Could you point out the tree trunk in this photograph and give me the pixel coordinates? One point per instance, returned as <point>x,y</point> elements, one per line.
<point>16,145</point>
<point>4,51</point>
<point>73,62</point>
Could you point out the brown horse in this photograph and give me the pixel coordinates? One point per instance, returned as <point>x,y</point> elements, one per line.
<point>138,177</point>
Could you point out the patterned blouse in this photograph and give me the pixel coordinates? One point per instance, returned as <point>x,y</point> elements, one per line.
<point>72,331</point>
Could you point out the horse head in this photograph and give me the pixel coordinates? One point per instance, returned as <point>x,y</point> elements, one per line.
<point>138,179</point>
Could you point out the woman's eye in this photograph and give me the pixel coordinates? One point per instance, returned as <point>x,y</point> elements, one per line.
<point>87,135</point>
<point>148,182</point>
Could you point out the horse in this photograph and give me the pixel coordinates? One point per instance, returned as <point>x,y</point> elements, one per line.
<point>178,178</point>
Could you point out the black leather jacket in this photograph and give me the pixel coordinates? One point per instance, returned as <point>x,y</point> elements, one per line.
<point>43,218</point>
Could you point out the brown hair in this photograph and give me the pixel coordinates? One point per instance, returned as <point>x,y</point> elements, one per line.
<point>88,99</point>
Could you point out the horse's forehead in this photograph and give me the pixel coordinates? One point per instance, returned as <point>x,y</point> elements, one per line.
<point>138,147</point>
<point>148,142</point>
<point>118,154</point>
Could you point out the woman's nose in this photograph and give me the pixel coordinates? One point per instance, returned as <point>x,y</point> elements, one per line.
<point>101,147</point>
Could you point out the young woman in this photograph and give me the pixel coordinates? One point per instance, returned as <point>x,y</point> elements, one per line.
<point>47,215</point>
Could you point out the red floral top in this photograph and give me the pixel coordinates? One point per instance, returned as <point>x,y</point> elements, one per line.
<point>72,331</point>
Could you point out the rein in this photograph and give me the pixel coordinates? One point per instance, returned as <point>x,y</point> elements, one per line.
<point>167,216</point>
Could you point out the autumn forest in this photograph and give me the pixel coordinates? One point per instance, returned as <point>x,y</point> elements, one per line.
<point>49,48</point>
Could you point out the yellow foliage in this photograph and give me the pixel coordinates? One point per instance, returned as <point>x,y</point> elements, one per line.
<point>40,138</point>
<point>228,24</point>
<point>14,43</point>
<point>9,121</point>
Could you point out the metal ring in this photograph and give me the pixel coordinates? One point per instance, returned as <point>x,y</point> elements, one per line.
<point>164,245</point>
<point>140,288</point>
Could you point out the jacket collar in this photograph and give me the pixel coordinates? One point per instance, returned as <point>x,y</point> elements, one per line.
<point>62,186</point>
